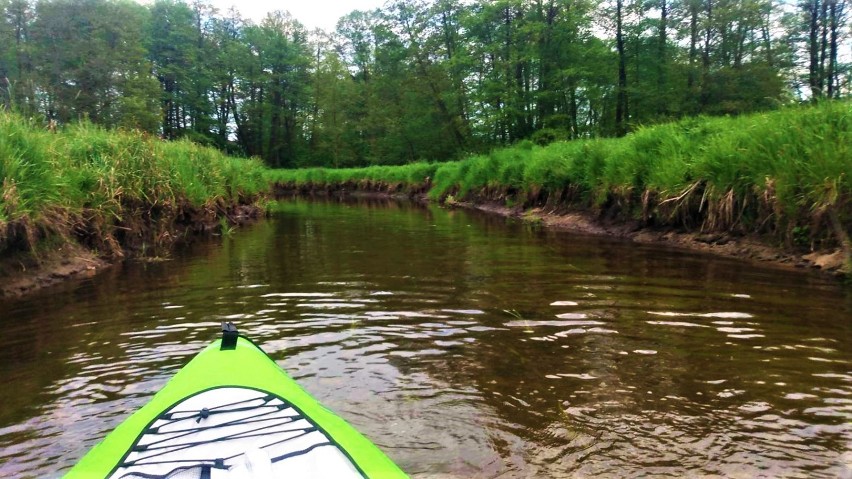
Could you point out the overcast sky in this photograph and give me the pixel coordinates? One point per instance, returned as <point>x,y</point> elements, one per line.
<point>311,13</point>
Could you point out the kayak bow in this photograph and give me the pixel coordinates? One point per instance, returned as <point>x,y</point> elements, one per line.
<point>232,412</point>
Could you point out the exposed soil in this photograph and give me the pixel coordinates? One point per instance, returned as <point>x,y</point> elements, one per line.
<point>724,244</point>
<point>751,247</point>
<point>34,256</point>
<point>146,231</point>
<point>23,275</point>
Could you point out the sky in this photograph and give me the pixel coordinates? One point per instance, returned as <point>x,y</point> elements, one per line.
<point>311,13</point>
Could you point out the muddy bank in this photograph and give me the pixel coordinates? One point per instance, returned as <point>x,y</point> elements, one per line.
<point>66,262</point>
<point>363,187</point>
<point>833,261</point>
<point>35,255</point>
<point>753,248</point>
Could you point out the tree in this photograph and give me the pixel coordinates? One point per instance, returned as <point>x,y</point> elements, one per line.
<point>415,79</point>
<point>621,107</point>
<point>16,55</point>
<point>662,67</point>
<point>172,49</point>
<point>826,23</point>
<point>227,54</point>
<point>836,20</point>
<point>7,40</point>
<point>89,63</point>
<point>333,93</point>
<point>275,90</point>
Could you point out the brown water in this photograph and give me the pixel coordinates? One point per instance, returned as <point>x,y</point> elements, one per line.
<point>463,345</point>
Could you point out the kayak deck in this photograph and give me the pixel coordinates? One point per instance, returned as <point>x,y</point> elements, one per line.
<point>269,435</point>
<point>231,412</point>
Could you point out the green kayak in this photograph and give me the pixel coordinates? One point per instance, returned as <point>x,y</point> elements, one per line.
<point>233,413</point>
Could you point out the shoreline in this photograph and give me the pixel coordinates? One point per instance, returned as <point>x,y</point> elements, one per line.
<point>74,260</point>
<point>70,261</point>
<point>748,248</point>
<point>829,263</point>
<point>78,198</point>
<point>23,272</point>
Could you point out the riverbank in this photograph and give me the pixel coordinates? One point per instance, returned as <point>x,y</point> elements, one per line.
<point>75,201</point>
<point>774,187</point>
<point>750,248</point>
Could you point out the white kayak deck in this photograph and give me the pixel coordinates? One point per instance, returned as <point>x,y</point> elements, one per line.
<point>233,433</point>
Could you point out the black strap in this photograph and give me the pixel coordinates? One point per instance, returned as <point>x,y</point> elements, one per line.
<point>169,416</point>
<point>219,463</point>
<point>299,453</point>
<point>202,468</point>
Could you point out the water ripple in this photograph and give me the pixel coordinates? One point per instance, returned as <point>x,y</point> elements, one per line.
<point>618,361</point>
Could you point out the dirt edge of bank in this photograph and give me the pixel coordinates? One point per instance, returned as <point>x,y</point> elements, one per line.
<point>24,273</point>
<point>86,248</point>
<point>832,263</point>
<point>56,266</point>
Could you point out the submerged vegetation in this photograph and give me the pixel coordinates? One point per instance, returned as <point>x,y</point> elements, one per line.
<point>112,190</point>
<point>785,174</point>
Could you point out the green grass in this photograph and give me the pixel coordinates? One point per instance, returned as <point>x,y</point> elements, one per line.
<point>411,174</point>
<point>769,171</point>
<point>779,172</point>
<point>51,176</point>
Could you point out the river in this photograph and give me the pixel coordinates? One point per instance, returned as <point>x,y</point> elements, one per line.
<point>463,345</point>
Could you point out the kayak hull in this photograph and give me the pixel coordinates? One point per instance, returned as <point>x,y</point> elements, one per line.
<point>232,410</point>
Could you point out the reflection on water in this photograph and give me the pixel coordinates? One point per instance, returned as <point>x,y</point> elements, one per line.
<point>462,345</point>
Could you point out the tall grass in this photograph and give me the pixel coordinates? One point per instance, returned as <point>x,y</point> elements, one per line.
<point>48,176</point>
<point>388,176</point>
<point>769,171</point>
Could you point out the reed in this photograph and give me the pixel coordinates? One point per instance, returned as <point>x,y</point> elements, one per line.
<point>368,178</point>
<point>770,173</point>
<point>84,180</point>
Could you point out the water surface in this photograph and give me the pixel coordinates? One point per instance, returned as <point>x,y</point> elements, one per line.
<point>463,345</point>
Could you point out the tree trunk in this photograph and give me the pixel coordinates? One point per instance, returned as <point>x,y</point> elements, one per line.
<point>224,113</point>
<point>509,93</point>
<point>547,64</point>
<point>767,37</point>
<point>693,46</point>
<point>661,73</point>
<point>242,135</point>
<point>813,48</point>
<point>832,55</point>
<point>5,91</point>
<point>705,60</point>
<point>823,43</point>
<point>275,124</point>
<point>621,111</point>
<point>572,91</point>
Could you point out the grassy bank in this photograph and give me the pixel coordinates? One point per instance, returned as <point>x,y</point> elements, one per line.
<point>785,175</point>
<point>111,191</point>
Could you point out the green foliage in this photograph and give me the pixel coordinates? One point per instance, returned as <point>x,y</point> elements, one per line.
<point>411,175</point>
<point>791,161</point>
<point>431,80</point>
<point>25,167</point>
<point>88,58</point>
<point>88,167</point>
<point>546,136</point>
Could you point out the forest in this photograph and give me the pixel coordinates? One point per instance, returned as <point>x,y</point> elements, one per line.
<point>416,80</point>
